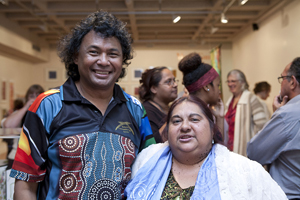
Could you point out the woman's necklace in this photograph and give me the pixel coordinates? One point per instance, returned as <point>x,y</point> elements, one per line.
<point>159,107</point>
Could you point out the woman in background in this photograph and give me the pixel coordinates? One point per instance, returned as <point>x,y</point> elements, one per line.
<point>158,88</point>
<point>203,81</point>
<point>16,119</point>
<point>262,91</point>
<point>245,114</point>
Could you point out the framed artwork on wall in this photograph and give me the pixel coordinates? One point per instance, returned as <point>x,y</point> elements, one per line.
<point>134,91</point>
<point>51,75</point>
<point>3,91</point>
<point>137,74</point>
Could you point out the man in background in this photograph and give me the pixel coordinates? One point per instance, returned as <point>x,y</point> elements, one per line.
<point>79,141</point>
<point>278,143</point>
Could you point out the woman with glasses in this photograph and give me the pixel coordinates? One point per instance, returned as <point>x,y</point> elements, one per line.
<point>158,89</point>
<point>245,114</point>
<point>203,81</point>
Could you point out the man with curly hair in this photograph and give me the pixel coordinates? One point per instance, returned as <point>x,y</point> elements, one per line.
<point>79,140</point>
<point>278,143</point>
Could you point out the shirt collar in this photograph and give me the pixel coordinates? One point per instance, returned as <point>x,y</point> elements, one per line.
<point>70,92</point>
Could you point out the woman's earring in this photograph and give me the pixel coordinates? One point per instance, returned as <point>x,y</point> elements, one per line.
<point>212,141</point>
<point>207,89</point>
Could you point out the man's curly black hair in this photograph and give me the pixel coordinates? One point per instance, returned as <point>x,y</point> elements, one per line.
<point>103,23</point>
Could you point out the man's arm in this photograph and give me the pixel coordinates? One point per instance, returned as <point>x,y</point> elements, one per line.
<point>25,190</point>
<point>15,119</point>
<point>267,144</point>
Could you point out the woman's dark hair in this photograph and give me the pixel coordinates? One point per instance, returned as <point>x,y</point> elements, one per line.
<point>241,75</point>
<point>105,25</point>
<point>193,68</point>
<point>18,104</point>
<point>34,89</point>
<point>151,77</point>
<point>206,111</point>
<point>261,86</point>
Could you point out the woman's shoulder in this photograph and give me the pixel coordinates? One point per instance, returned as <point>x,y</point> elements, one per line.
<point>233,159</point>
<point>145,155</point>
<point>241,177</point>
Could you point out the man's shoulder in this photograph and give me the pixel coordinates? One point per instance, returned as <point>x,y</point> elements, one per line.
<point>47,96</point>
<point>133,100</point>
<point>293,106</point>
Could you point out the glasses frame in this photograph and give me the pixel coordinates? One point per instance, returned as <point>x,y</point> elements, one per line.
<point>171,82</point>
<point>232,81</point>
<point>280,78</point>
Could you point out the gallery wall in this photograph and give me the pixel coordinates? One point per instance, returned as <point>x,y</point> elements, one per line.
<point>143,59</point>
<point>263,54</point>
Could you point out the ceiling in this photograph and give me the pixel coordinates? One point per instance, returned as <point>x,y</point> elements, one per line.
<point>149,21</point>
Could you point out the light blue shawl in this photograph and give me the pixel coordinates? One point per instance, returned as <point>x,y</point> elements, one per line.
<point>150,180</point>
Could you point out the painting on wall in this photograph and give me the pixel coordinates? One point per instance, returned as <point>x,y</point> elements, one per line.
<point>3,91</point>
<point>137,74</point>
<point>135,91</point>
<point>51,75</point>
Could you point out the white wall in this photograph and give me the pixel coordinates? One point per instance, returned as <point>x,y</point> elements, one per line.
<point>263,54</point>
<point>143,59</point>
<point>21,73</point>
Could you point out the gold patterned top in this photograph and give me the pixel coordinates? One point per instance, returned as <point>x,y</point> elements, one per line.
<point>173,191</point>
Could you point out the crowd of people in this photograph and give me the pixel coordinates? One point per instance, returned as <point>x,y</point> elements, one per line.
<point>89,139</point>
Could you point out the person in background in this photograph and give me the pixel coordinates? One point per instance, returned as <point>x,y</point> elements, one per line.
<point>16,119</point>
<point>80,140</point>
<point>262,91</point>
<point>194,164</point>
<point>277,144</point>
<point>158,88</point>
<point>245,114</point>
<point>203,81</point>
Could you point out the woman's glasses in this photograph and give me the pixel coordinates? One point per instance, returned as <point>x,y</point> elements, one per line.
<point>171,82</point>
<point>231,81</point>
